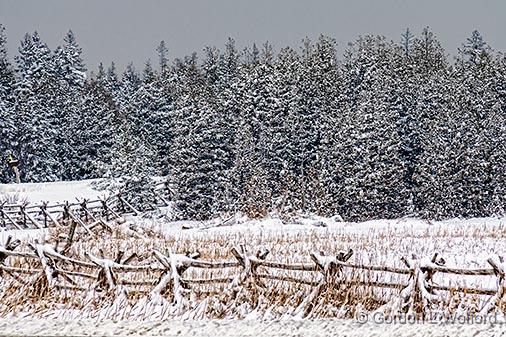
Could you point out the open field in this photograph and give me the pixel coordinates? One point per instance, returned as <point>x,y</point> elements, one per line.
<point>144,288</point>
<point>85,291</point>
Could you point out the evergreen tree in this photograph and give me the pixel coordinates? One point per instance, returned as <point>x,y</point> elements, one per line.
<point>131,173</point>
<point>256,99</point>
<point>370,169</point>
<point>151,117</point>
<point>407,42</point>
<point>111,81</point>
<point>7,122</point>
<point>70,76</point>
<point>226,106</point>
<point>199,153</point>
<point>479,122</point>
<point>93,140</point>
<point>283,144</point>
<point>7,79</point>
<point>35,113</point>
<point>319,124</point>
<point>162,57</point>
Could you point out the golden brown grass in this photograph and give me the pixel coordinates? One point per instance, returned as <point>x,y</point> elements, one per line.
<point>268,299</point>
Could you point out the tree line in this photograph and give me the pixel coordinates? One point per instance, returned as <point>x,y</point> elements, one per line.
<point>385,130</point>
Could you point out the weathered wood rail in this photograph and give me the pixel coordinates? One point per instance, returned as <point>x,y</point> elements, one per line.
<point>162,275</point>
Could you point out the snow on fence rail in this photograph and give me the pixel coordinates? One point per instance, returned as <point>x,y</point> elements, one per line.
<point>162,276</point>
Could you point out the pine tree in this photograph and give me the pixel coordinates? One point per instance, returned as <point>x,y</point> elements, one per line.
<point>124,98</point>
<point>151,117</point>
<point>7,128</point>
<point>319,124</point>
<point>111,81</point>
<point>407,42</point>
<point>475,52</point>
<point>131,172</point>
<point>226,106</point>
<point>35,113</point>
<point>427,128</point>
<point>370,170</point>
<point>130,82</point>
<point>283,129</point>
<point>255,95</point>
<point>497,171</point>
<point>219,71</point>
<point>197,155</point>
<point>93,140</point>
<point>69,63</point>
<point>479,119</point>
<point>403,100</point>
<point>162,57</point>
<point>7,122</point>
<point>6,72</point>
<point>70,76</point>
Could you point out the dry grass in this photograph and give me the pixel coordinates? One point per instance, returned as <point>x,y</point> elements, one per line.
<point>268,299</point>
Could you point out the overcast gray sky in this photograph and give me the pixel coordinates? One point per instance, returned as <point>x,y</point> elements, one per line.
<point>127,30</point>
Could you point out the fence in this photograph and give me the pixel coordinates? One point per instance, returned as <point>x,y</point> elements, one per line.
<point>86,212</point>
<point>163,276</point>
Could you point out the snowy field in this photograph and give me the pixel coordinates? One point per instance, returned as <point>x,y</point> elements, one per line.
<point>462,243</point>
<point>50,192</point>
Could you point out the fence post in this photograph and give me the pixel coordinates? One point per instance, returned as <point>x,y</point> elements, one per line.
<point>70,237</point>
<point>175,265</point>
<point>248,264</point>
<point>500,272</point>
<point>122,204</point>
<point>43,209</point>
<point>105,212</point>
<point>4,225</point>
<point>125,202</point>
<point>84,210</point>
<point>10,246</point>
<point>66,212</point>
<point>22,212</point>
<point>329,267</point>
<point>417,296</point>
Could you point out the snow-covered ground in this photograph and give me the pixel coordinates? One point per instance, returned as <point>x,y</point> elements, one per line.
<point>225,328</point>
<point>51,192</point>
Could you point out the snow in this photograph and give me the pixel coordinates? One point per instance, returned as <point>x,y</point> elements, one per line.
<point>52,192</point>
<point>23,235</point>
<point>224,328</point>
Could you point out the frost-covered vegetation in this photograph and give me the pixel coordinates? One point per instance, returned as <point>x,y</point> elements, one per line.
<point>385,130</point>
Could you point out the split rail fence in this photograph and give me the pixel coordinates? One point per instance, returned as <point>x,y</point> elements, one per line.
<point>87,212</point>
<point>165,275</point>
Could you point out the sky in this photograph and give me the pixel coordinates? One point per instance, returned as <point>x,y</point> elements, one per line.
<point>128,31</point>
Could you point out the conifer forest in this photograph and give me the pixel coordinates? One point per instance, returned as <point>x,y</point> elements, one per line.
<point>374,129</point>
